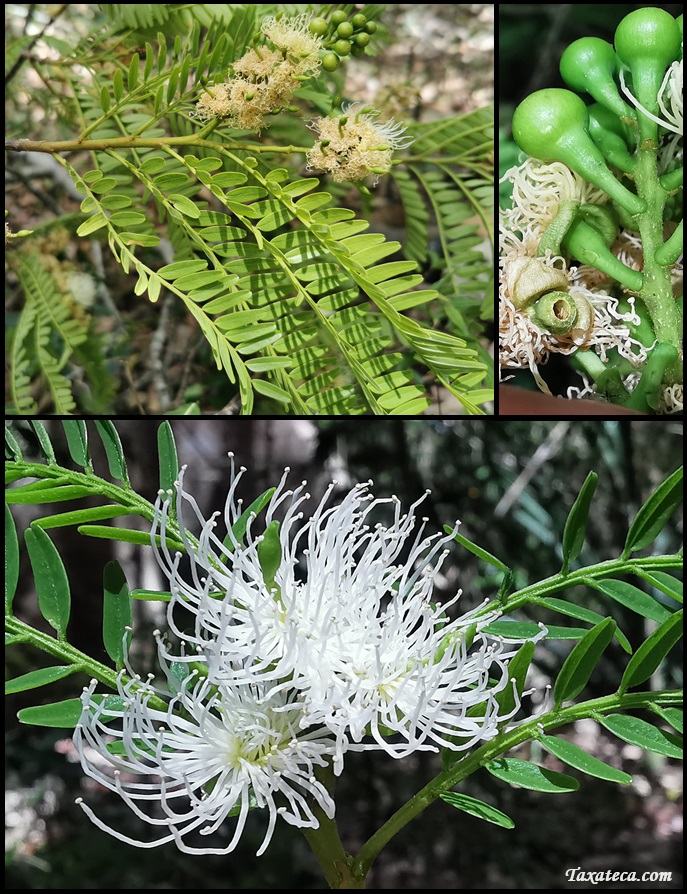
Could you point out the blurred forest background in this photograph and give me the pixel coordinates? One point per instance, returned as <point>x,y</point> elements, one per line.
<point>512,485</point>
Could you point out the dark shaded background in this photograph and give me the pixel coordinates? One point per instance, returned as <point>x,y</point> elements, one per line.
<point>512,484</point>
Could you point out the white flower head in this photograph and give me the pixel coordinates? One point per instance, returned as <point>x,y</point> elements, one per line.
<point>345,616</point>
<point>292,35</point>
<point>215,752</point>
<point>355,144</point>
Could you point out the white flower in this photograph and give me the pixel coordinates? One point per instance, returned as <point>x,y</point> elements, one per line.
<point>670,98</point>
<point>353,628</point>
<point>355,144</point>
<point>292,35</point>
<point>216,751</point>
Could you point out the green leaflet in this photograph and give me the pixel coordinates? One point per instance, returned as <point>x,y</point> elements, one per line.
<point>77,439</point>
<point>478,809</point>
<point>582,614</point>
<point>113,448</point>
<point>169,461</point>
<point>673,716</point>
<point>116,612</point>
<point>523,774</point>
<point>478,551</point>
<point>37,678</point>
<point>575,757</point>
<point>52,585</point>
<point>653,515</point>
<point>527,629</point>
<point>269,552</point>
<point>645,735</point>
<point>580,663</point>
<point>43,440</point>
<point>575,525</point>
<point>47,494</point>
<point>666,583</point>
<point>652,651</point>
<point>238,531</point>
<point>631,597</point>
<point>11,559</point>
<point>80,516</point>
<point>64,714</point>
<point>125,535</point>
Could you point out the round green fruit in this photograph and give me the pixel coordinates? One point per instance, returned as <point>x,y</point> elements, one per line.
<point>330,62</point>
<point>318,26</point>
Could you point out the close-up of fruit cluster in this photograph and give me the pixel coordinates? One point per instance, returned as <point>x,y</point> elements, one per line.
<point>342,36</point>
<point>591,233</point>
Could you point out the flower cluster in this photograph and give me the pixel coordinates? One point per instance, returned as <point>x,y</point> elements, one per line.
<point>287,649</point>
<point>538,191</point>
<point>355,144</point>
<point>264,80</point>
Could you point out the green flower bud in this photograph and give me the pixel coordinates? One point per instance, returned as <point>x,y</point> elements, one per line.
<point>589,65</point>
<point>552,125</point>
<point>648,41</point>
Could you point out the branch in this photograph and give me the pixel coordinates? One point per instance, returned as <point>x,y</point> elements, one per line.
<point>453,775</point>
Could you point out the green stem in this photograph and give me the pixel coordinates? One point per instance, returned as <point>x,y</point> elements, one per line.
<point>134,142</point>
<point>575,578</point>
<point>656,291</point>
<point>326,844</point>
<point>69,655</point>
<point>503,743</point>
